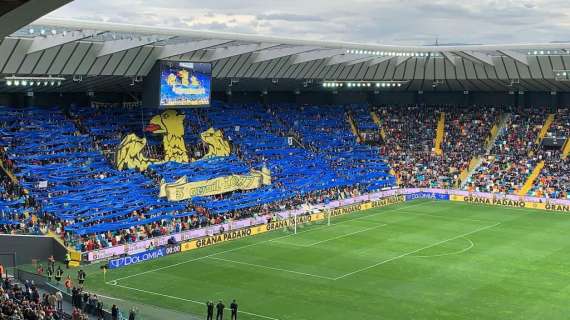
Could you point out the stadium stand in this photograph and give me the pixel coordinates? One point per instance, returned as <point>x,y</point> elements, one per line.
<point>511,159</point>
<point>88,198</point>
<point>312,152</point>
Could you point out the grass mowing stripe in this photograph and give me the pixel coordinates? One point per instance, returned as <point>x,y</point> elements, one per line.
<point>272,268</point>
<point>417,250</point>
<point>189,300</point>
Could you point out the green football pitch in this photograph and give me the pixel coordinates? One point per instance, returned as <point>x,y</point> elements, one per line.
<point>417,260</point>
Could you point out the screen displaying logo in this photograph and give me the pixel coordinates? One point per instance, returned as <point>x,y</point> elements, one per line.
<point>185,84</point>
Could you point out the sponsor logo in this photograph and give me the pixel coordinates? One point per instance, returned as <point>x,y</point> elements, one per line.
<point>348,209</point>
<point>557,207</point>
<point>388,201</point>
<point>137,258</point>
<point>495,202</point>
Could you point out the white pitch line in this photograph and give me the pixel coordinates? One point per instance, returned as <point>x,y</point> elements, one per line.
<point>446,217</point>
<point>107,297</point>
<point>344,235</point>
<point>272,268</point>
<point>254,244</point>
<point>471,245</point>
<point>190,300</point>
<point>417,250</point>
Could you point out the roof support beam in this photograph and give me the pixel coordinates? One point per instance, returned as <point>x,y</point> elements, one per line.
<point>267,55</point>
<point>43,43</point>
<point>378,60</point>
<point>114,46</point>
<point>231,51</point>
<point>26,13</point>
<point>476,57</point>
<point>449,57</point>
<point>316,55</point>
<point>187,47</point>
<point>357,61</point>
<point>522,58</point>
<point>400,60</point>
<point>345,58</point>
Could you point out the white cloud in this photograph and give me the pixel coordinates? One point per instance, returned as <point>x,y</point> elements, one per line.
<point>375,21</point>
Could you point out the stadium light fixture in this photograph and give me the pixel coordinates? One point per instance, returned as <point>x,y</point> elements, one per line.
<point>9,83</point>
<point>31,81</point>
<point>561,75</point>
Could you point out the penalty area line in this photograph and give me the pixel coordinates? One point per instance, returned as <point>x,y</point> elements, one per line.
<point>188,300</point>
<point>272,268</point>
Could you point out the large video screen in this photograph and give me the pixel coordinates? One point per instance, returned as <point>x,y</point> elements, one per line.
<point>185,84</point>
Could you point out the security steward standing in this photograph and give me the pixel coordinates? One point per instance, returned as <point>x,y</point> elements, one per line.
<point>234,308</point>
<point>58,274</point>
<point>210,308</point>
<point>81,277</point>
<point>220,311</point>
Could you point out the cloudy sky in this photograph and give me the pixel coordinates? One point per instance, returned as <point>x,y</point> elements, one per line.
<point>375,21</point>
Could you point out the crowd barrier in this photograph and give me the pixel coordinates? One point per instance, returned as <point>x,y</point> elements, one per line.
<point>199,238</point>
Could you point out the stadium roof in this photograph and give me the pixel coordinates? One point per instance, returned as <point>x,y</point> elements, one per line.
<point>108,56</point>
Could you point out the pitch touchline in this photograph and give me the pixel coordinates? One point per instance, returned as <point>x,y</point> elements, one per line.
<point>189,300</point>
<point>249,245</point>
<point>412,252</point>
<point>272,268</point>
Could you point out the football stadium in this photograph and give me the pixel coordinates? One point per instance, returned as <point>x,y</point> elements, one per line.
<point>152,171</point>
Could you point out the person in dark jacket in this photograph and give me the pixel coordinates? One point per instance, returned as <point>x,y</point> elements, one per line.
<point>114,312</point>
<point>234,308</point>
<point>210,310</point>
<point>220,310</point>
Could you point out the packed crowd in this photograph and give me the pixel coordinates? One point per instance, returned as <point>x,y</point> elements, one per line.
<point>514,155</point>
<point>324,163</point>
<point>554,180</point>
<point>24,302</point>
<point>410,133</point>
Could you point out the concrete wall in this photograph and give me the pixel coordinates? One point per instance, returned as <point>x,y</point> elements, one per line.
<point>30,247</point>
